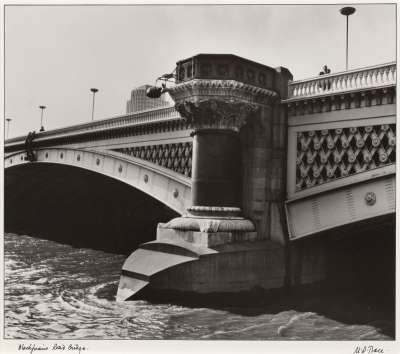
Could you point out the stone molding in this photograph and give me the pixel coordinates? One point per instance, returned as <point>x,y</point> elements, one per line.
<point>209,224</point>
<point>200,89</point>
<point>341,101</point>
<point>201,211</point>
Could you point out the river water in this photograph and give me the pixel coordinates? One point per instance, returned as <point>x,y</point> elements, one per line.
<point>56,291</point>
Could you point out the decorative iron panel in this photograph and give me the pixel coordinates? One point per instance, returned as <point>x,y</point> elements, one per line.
<point>176,157</point>
<point>329,154</point>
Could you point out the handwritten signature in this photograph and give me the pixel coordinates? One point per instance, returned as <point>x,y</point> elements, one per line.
<point>33,348</point>
<point>368,349</point>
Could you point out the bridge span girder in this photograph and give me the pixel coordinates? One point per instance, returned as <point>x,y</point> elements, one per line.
<point>337,208</point>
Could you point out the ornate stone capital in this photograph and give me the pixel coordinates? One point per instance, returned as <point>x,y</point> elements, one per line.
<point>216,113</point>
<point>219,104</point>
<point>200,89</point>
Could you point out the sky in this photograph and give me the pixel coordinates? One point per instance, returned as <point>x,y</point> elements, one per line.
<point>55,54</point>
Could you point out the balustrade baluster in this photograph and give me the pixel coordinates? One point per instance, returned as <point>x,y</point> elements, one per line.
<point>381,72</point>
<point>389,75</point>
<point>297,90</point>
<point>307,89</point>
<point>375,76</point>
<point>322,85</point>
<point>315,87</point>
<point>363,79</point>
<point>358,80</point>
<point>376,73</point>
<point>334,84</point>
<point>370,78</point>
<point>386,75</point>
<point>291,91</point>
<point>352,84</point>
<point>301,90</point>
<point>342,82</point>
<point>379,77</point>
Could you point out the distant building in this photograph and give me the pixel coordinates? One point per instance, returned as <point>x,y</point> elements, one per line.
<point>140,102</point>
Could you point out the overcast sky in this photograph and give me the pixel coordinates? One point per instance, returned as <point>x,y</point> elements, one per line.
<point>55,54</point>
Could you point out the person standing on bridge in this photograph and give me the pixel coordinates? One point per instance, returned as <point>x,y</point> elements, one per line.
<point>326,85</point>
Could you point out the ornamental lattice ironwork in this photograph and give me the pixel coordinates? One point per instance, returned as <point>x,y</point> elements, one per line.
<point>176,157</point>
<point>329,154</point>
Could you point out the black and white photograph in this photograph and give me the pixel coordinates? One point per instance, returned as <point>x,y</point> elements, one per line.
<point>198,176</point>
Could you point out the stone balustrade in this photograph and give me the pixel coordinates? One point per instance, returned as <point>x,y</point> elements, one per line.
<point>126,120</point>
<point>352,80</point>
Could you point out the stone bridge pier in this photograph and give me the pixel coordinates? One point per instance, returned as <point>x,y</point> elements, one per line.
<point>277,183</point>
<point>232,238</point>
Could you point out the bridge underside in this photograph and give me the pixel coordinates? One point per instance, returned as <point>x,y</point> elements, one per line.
<point>80,207</point>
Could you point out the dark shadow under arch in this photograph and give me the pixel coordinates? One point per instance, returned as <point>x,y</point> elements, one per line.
<point>79,207</point>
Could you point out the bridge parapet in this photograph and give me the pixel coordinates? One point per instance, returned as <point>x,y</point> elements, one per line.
<point>352,80</point>
<point>340,126</point>
<point>341,149</point>
<point>108,125</point>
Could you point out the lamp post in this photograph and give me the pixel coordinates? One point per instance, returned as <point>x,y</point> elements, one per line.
<point>8,126</point>
<point>41,118</point>
<point>347,11</point>
<point>94,90</point>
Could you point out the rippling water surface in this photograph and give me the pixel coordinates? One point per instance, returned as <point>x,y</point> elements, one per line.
<point>55,291</point>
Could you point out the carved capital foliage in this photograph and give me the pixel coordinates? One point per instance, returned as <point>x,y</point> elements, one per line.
<point>216,113</point>
<point>221,104</point>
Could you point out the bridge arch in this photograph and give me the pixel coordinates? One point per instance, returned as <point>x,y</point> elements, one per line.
<point>168,187</point>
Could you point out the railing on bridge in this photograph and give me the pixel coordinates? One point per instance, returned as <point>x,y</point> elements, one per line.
<point>358,79</point>
<point>341,149</point>
<point>126,120</point>
<point>331,142</point>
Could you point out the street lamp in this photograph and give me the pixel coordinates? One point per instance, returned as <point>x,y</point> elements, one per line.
<point>8,126</point>
<point>41,118</point>
<point>347,11</point>
<point>94,90</point>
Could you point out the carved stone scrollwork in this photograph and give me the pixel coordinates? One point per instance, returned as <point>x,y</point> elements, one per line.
<point>216,113</point>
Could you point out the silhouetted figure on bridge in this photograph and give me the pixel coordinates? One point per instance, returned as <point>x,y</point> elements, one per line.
<point>326,85</point>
